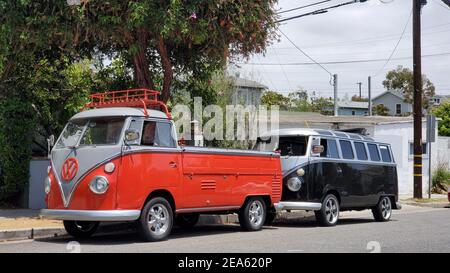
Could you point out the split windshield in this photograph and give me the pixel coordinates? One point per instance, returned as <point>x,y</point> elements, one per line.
<point>98,131</point>
<point>286,145</point>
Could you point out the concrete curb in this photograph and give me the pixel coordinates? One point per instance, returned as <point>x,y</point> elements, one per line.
<point>30,233</point>
<point>427,205</point>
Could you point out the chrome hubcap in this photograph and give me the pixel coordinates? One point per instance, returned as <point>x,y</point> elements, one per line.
<point>158,219</point>
<point>255,214</point>
<point>386,208</point>
<point>331,211</point>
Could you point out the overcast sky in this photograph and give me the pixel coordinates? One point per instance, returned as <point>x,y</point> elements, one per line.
<point>361,31</point>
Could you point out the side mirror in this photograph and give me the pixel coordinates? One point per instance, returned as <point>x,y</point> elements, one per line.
<point>132,137</point>
<point>317,150</point>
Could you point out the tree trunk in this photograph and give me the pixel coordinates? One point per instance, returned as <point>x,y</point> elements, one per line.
<point>142,73</point>
<point>167,67</point>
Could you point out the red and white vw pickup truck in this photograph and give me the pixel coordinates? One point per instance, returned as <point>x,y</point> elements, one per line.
<point>121,162</point>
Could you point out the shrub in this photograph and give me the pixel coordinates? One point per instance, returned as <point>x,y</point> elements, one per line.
<point>440,178</point>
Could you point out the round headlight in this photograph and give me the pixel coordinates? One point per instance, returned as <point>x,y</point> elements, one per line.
<point>301,172</point>
<point>47,185</point>
<point>294,183</point>
<point>110,167</point>
<point>99,185</point>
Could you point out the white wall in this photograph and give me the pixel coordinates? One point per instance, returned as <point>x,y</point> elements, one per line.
<point>443,150</point>
<point>399,135</point>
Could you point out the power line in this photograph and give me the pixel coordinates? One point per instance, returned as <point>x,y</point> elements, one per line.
<point>320,11</point>
<point>349,62</point>
<point>302,7</point>
<point>304,53</point>
<point>398,42</point>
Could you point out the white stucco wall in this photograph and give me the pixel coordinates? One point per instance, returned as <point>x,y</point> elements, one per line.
<point>399,135</point>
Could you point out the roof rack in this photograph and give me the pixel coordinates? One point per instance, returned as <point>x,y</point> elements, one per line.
<point>142,97</point>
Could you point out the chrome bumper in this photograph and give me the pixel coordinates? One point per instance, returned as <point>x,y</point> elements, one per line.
<point>297,206</point>
<point>91,215</point>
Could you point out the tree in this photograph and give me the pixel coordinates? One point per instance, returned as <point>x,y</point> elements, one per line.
<point>402,79</point>
<point>380,110</point>
<point>323,106</point>
<point>443,112</point>
<point>359,99</point>
<point>299,101</point>
<point>270,98</point>
<point>166,38</point>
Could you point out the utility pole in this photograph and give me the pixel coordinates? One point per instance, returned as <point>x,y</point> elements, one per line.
<point>359,84</point>
<point>335,85</point>
<point>417,56</point>
<point>369,91</point>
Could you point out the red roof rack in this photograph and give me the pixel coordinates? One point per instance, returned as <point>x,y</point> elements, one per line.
<point>145,98</point>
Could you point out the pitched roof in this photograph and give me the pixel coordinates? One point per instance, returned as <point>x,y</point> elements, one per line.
<point>240,82</point>
<point>396,93</point>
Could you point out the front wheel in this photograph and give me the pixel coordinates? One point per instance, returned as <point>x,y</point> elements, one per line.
<point>253,214</point>
<point>328,215</point>
<point>80,229</point>
<point>156,220</point>
<point>383,210</point>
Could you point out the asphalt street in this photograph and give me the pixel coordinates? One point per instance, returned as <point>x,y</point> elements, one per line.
<point>412,229</point>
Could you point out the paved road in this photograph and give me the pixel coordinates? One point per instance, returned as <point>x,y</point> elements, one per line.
<point>412,229</point>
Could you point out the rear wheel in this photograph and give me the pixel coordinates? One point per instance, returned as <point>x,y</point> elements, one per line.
<point>156,220</point>
<point>328,215</point>
<point>80,229</point>
<point>187,220</point>
<point>253,214</point>
<point>383,210</point>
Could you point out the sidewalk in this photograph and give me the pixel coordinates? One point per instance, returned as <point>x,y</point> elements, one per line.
<point>19,224</point>
<point>436,201</point>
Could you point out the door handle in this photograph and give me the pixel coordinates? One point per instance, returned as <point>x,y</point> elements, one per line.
<point>173,164</point>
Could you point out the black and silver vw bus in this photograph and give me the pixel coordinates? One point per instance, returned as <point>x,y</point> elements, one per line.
<point>330,171</point>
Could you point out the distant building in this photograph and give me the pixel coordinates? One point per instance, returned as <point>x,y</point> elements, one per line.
<point>394,100</point>
<point>438,99</point>
<point>247,92</point>
<point>353,108</point>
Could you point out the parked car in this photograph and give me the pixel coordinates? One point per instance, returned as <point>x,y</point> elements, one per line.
<point>330,171</point>
<point>121,162</point>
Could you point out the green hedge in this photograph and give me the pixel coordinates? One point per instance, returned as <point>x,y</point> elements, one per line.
<point>16,136</point>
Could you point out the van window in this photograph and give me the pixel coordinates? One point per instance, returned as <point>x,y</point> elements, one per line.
<point>361,153</point>
<point>373,151</point>
<point>346,148</point>
<point>330,150</point>
<point>157,134</point>
<point>293,146</point>
<point>385,154</point>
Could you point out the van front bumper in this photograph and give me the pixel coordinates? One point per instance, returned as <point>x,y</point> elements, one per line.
<point>297,206</point>
<point>91,215</point>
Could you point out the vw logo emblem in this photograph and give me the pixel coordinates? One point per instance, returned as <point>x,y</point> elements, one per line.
<point>69,169</point>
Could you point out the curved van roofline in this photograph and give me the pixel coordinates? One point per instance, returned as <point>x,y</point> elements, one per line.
<point>319,132</point>
<point>119,112</point>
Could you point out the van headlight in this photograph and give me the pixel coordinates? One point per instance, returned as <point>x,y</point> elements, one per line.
<point>294,183</point>
<point>99,185</point>
<point>47,185</point>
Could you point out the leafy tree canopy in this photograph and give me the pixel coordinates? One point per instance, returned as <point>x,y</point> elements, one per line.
<point>443,112</point>
<point>401,79</point>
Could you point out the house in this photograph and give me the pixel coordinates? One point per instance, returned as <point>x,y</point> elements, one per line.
<point>438,99</point>
<point>395,102</point>
<point>397,131</point>
<point>353,108</point>
<point>247,92</point>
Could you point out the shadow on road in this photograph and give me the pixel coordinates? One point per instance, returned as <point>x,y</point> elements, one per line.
<point>130,236</point>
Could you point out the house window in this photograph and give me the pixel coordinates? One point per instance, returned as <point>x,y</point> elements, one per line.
<point>424,148</point>
<point>398,108</point>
